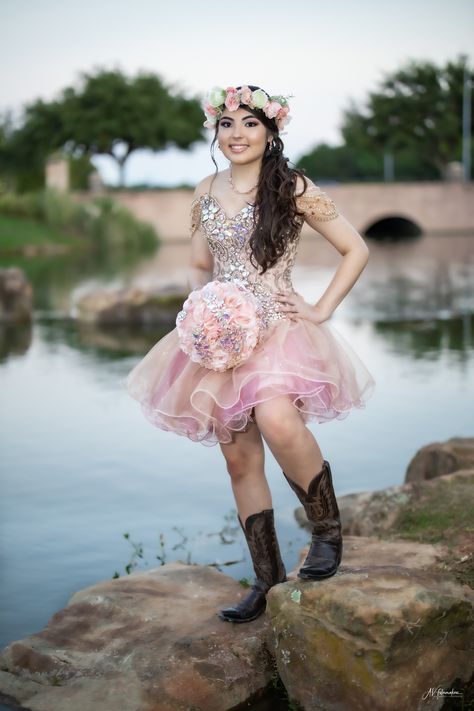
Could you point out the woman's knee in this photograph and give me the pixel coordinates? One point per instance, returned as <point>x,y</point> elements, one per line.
<point>241,464</point>
<point>245,457</point>
<point>279,421</point>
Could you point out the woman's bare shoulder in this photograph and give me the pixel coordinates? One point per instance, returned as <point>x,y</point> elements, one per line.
<point>204,185</point>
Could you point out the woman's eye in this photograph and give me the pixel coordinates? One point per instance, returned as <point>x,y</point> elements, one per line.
<point>226,124</point>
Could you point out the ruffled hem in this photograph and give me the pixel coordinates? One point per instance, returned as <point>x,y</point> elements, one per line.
<point>312,364</point>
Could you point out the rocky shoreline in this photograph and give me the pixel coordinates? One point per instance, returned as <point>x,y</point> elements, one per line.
<point>392,630</point>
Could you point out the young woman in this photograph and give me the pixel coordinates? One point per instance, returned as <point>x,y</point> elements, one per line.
<point>245,226</point>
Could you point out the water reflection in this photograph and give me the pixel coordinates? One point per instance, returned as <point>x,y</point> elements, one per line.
<point>425,277</point>
<point>414,339</point>
<point>430,338</point>
<point>14,340</point>
<point>55,277</point>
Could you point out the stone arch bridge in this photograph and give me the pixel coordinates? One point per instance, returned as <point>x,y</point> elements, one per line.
<point>398,209</point>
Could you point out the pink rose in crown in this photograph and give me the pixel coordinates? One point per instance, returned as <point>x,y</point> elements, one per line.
<point>220,324</point>
<point>232,100</point>
<point>246,96</point>
<point>272,109</point>
<point>209,109</point>
<point>282,118</point>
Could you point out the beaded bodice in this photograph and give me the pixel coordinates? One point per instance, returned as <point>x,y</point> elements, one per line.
<point>228,239</point>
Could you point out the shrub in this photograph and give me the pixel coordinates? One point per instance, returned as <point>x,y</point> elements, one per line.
<point>103,220</point>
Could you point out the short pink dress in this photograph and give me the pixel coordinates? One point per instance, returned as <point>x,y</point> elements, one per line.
<point>311,364</point>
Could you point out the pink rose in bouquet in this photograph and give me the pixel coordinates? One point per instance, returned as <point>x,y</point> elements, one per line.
<point>220,325</point>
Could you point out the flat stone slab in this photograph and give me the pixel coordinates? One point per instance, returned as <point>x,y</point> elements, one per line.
<point>363,551</point>
<point>151,641</point>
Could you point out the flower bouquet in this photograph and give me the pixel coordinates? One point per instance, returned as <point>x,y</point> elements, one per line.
<point>220,324</point>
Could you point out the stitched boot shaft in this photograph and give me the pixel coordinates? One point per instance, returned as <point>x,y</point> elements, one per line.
<point>322,512</point>
<point>259,531</point>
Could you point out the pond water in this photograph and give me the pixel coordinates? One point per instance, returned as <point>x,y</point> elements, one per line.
<point>81,466</point>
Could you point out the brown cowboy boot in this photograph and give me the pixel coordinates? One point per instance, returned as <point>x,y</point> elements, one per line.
<point>269,569</point>
<point>320,505</point>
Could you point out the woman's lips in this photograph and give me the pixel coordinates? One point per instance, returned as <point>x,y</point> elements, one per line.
<point>238,149</point>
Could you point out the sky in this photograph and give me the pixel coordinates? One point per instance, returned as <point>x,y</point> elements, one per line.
<point>327,55</point>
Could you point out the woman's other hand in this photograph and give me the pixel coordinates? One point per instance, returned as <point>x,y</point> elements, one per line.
<point>296,307</point>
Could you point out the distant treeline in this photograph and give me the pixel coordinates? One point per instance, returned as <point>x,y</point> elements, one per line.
<point>410,127</point>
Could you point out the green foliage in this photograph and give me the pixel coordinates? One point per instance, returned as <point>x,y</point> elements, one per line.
<point>27,147</point>
<point>107,113</point>
<point>419,108</point>
<point>16,233</point>
<point>226,536</point>
<point>80,170</point>
<point>344,162</point>
<point>445,509</point>
<point>414,115</point>
<point>104,222</point>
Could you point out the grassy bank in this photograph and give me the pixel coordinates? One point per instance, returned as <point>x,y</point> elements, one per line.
<point>52,221</point>
<point>21,235</point>
<point>443,513</point>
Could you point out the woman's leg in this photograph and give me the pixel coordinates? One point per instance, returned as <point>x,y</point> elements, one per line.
<point>245,458</point>
<point>309,475</point>
<point>291,442</point>
<point>245,464</point>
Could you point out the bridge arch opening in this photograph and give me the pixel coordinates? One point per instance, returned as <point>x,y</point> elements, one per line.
<point>393,229</point>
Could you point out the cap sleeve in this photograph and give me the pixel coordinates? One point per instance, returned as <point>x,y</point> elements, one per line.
<point>316,205</point>
<point>195,215</point>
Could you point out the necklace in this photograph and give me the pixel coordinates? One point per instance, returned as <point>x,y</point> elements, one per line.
<point>239,192</point>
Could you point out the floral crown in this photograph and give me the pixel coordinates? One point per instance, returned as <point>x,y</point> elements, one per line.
<point>218,99</point>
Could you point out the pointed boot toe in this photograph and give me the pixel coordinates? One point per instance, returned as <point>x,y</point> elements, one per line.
<point>322,561</point>
<point>251,607</point>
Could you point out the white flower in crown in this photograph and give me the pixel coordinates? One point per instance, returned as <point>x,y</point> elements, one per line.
<point>260,99</point>
<point>275,107</point>
<point>216,96</point>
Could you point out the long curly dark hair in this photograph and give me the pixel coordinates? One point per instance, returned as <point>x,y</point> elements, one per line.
<point>275,205</point>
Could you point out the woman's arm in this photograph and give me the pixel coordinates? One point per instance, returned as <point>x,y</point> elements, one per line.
<point>321,213</point>
<point>348,242</point>
<point>201,262</point>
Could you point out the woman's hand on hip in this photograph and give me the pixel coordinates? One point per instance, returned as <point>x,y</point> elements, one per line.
<point>296,307</point>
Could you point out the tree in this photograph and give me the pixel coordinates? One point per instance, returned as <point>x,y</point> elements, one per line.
<point>419,108</point>
<point>415,114</point>
<point>108,113</point>
<point>113,115</point>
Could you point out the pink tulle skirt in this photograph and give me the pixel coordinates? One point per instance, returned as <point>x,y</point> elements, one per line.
<point>311,364</point>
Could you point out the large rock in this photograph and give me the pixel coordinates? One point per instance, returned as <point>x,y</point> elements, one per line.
<point>129,306</point>
<point>372,638</point>
<point>16,296</point>
<point>441,458</point>
<point>151,641</point>
<point>393,629</point>
<point>374,512</point>
<point>435,511</point>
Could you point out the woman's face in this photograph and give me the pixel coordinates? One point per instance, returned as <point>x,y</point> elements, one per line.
<point>242,137</point>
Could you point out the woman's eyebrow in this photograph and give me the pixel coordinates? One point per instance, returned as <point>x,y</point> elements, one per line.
<point>244,118</point>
